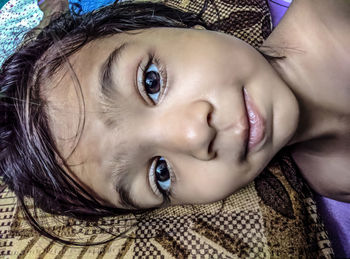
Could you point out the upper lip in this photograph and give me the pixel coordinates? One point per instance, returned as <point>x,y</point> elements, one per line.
<point>256,122</point>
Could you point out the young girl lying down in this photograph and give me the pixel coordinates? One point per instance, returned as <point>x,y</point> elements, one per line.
<point>137,106</point>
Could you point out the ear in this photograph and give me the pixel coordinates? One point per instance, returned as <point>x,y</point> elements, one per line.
<point>198,27</point>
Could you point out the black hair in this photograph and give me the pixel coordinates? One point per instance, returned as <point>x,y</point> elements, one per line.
<point>28,155</point>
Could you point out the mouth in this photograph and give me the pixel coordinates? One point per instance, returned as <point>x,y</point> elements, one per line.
<point>256,124</point>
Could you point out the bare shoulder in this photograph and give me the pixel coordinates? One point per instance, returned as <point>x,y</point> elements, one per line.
<point>330,13</point>
<point>328,7</point>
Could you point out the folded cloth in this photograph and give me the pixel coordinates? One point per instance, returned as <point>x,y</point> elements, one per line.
<point>17,17</point>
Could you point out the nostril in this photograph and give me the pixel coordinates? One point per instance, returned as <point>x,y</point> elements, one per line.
<point>211,150</point>
<point>210,119</point>
<point>210,147</point>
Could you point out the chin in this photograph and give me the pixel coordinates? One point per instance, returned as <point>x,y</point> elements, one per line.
<point>285,123</point>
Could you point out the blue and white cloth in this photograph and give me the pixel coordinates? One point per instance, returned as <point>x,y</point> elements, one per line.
<point>17,17</point>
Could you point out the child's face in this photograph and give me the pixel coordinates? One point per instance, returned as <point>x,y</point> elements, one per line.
<point>175,118</point>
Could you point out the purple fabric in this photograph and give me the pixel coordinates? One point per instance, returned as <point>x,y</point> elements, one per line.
<point>336,217</point>
<point>278,9</point>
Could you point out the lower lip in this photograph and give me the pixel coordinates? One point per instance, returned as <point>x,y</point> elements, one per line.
<point>256,123</point>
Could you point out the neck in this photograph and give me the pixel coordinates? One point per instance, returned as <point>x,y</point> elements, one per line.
<point>307,43</point>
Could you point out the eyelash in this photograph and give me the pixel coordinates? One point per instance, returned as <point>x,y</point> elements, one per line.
<point>152,60</point>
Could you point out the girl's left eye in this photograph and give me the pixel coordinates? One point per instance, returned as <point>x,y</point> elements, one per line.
<point>160,175</point>
<point>152,81</point>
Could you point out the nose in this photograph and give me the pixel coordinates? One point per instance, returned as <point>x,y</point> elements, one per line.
<point>189,130</point>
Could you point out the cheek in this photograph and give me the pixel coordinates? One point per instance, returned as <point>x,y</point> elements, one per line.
<point>210,183</point>
<point>204,69</point>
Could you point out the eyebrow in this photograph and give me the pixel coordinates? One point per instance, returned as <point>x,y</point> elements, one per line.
<point>120,173</point>
<point>125,197</point>
<point>107,83</point>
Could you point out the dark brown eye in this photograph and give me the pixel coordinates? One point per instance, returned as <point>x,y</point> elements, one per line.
<point>162,171</point>
<point>162,175</point>
<point>152,82</point>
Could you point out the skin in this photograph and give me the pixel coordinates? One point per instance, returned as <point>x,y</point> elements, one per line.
<point>199,124</point>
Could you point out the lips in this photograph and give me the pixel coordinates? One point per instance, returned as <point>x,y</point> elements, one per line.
<point>256,123</point>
